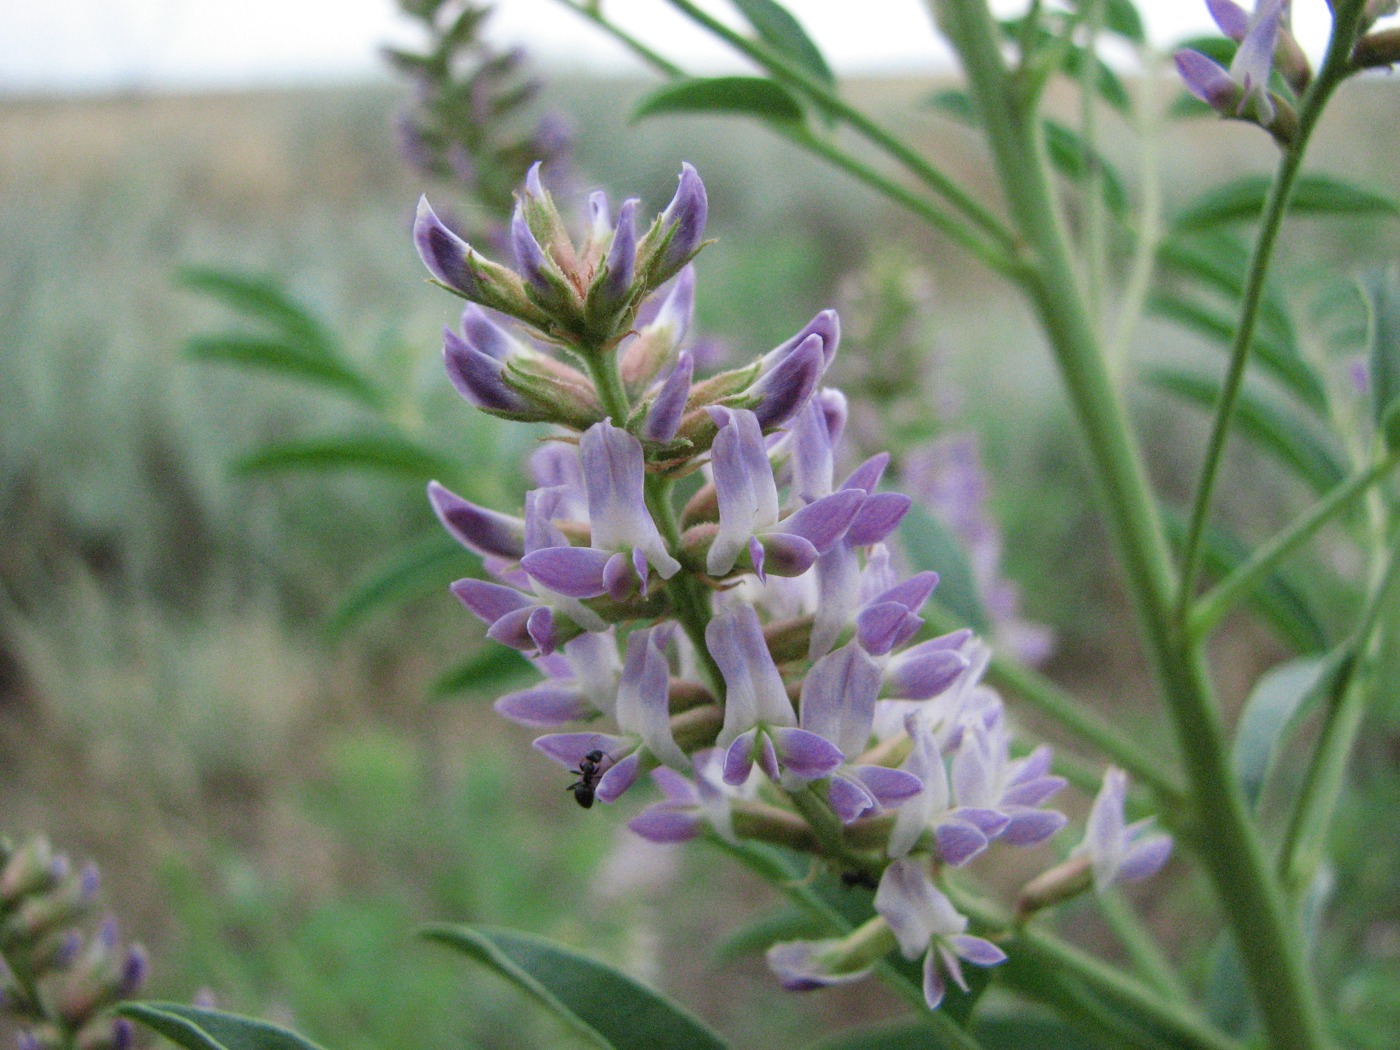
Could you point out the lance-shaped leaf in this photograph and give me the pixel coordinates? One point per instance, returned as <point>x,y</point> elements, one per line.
<point>283,357</point>
<point>1280,698</point>
<point>263,299</point>
<point>195,1028</point>
<point>599,1004</point>
<point>741,96</point>
<point>1243,201</point>
<point>1382,288</point>
<point>381,453</point>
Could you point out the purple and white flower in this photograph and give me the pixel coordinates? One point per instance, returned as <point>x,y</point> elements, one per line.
<point>1118,851</point>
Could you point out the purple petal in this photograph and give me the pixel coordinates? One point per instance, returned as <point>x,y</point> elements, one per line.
<point>1033,792</point>
<point>782,555</point>
<point>919,675</point>
<point>679,790</point>
<point>826,326</point>
<point>767,757</point>
<point>977,951</point>
<point>848,799</point>
<point>755,691</point>
<point>490,601</point>
<point>530,259</point>
<point>889,786</point>
<point>884,626</point>
<point>619,778</point>
<point>991,822</point>
<point>614,473</point>
<point>1232,19</point>
<point>804,754</point>
<point>1145,858</point>
<point>913,592</point>
<point>1208,80</point>
<point>545,705</point>
<point>738,760</point>
<point>678,307</point>
<point>577,572</point>
<point>485,336</point>
<point>784,390</point>
<point>443,252</point>
<point>569,749</point>
<point>1032,827</point>
<point>826,520</point>
<point>838,698</point>
<point>661,824</point>
<point>879,516</point>
<point>685,216</point>
<point>744,486</point>
<point>622,254</point>
<point>476,528</point>
<point>664,418</point>
<point>513,629</point>
<point>933,981</point>
<point>542,629</point>
<point>478,377</point>
<point>866,476</point>
<point>958,843</point>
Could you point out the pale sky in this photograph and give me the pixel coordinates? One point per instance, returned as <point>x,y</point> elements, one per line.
<point>104,45</point>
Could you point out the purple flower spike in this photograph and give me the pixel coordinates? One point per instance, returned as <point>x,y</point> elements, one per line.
<point>443,252</point>
<point>779,394</point>
<point>664,418</point>
<point>1120,852</point>
<point>484,531</point>
<point>479,378</point>
<point>684,219</point>
<point>925,923</point>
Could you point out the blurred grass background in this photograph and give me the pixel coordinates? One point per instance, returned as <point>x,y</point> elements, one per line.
<point>275,810</point>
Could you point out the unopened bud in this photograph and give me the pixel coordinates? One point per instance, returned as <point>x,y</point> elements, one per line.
<point>1060,883</point>
<point>1377,50</point>
<point>32,868</point>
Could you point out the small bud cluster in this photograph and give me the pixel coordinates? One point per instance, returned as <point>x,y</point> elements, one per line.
<point>1243,92</point>
<point>468,123</point>
<point>55,982</point>
<point>705,599</point>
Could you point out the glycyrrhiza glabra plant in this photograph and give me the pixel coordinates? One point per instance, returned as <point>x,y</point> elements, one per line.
<point>711,602</point>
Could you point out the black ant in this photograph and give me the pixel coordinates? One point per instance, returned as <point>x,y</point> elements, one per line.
<point>863,879</point>
<point>587,773</point>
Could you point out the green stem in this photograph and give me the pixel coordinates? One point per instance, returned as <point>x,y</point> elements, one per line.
<point>1334,69</point>
<point>1057,955</point>
<point>997,257</point>
<point>833,104</point>
<point>1304,843</point>
<point>1095,234</point>
<point>830,832</point>
<point>1142,947</point>
<point>1221,831</point>
<point>1244,579</point>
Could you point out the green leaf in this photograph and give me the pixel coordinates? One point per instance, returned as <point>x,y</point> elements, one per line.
<point>426,566</point>
<point>1008,1032</point>
<point>261,298</point>
<point>1275,704</point>
<point>383,453</point>
<point>263,354</point>
<point>1229,1005</point>
<point>777,28</point>
<point>1271,354</point>
<point>599,1003</point>
<point>494,666</point>
<point>1278,600</point>
<point>932,545</point>
<point>195,1028</point>
<point>1382,288</point>
<point>1261,420</point>
<point>1243,201</point>
<point>742,96</point>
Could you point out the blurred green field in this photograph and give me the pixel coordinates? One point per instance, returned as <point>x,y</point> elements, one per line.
<point>275,809</point>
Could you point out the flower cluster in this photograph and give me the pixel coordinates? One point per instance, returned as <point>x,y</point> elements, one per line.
<point>55,983</point>
<point>708,599</point>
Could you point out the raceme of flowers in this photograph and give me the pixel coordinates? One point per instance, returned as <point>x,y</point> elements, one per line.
<point>711,601</point>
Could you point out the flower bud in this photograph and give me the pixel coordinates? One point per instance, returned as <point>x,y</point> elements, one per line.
<point>31,868</point>
<point>1375,50</point>
<point>612,290</point>
<point>457,267</point>
<point>1060,883</point>
<point>677,234</point>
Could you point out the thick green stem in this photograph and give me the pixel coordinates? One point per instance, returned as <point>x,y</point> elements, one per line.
<point>1240,583</point>
<point>1221,831</point>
